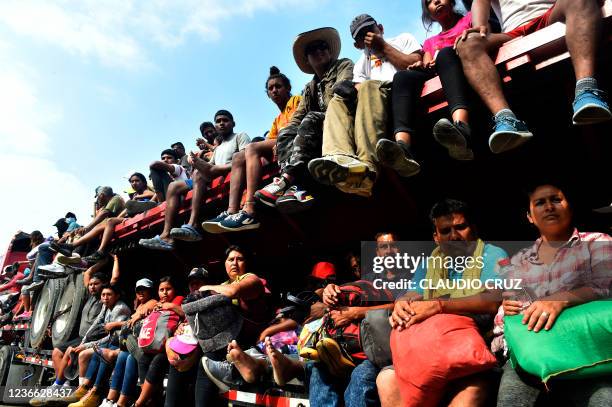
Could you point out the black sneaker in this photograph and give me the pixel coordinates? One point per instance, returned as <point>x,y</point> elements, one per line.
<point>63,248</point>
<point>95,258</point>
<point>392,155</point>
<point>455,138</point>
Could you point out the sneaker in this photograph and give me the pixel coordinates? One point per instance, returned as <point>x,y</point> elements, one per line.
<point>106,403</point>
<point>454,137</point>
<point>590,107</point>
<point>271,192</point>
<point>222,374</point>
<point>94,258</point>
<point>68,260</point>
<point>53,270</point>
<point>335,358</point>
<point>186,233</point>
<point>239,221</point>
<point>212,225</point>
<point>24,315</point>
<point>50,390</point>
<point>156,243</point>
<point>63,248</point>
<point>508,133</point>
<point>294,200</point>
<point>35,286</point>
<point>390,154</point>
<point>333,169</point>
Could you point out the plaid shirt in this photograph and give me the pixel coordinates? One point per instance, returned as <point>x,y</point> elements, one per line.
<point>585,260</point>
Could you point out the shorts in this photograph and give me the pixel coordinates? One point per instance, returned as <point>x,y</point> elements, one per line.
<point>189,183</point>
<point>71,343</point>
<point>532,26</point>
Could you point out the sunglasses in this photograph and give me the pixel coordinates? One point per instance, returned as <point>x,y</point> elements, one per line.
<point>316,46</point>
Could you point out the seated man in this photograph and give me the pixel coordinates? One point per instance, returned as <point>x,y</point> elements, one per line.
<point>91,310</point>
<point>204,172</point>
<point>315,52</point>
<point>584,27</point>
<point>164,172</point>
<point>112,206</point>
<point>206,142</point>
<point>456,237</point>
<point>183,159</point>
<point>355,125</point>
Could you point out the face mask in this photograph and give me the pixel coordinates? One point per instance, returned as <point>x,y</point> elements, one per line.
<point>70,220</point>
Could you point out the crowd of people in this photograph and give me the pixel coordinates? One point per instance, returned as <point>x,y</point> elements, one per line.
<point>350,120</point>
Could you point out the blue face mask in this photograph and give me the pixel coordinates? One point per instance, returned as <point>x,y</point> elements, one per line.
<point>70,220</point>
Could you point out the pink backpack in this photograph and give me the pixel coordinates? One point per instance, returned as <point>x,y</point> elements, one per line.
<point>156,328</point>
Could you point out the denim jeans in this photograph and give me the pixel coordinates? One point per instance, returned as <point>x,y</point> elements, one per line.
<point>359,390</point>
<point>125,374</point>
<point>43,258</point>
<point>98,370</point>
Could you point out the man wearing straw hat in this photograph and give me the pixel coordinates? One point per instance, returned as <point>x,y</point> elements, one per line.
<point>357,117</point>
<point>315,52</point>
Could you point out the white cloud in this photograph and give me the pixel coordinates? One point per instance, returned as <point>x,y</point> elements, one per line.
<point>117,32</point>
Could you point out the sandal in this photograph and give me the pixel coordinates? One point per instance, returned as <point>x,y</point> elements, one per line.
<point>156,243</point>
<point>187,233</point>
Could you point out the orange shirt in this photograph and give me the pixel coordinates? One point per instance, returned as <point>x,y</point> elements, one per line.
<point>284,117</point>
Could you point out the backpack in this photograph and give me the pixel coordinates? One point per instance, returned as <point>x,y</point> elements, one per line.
<point>156,328</point>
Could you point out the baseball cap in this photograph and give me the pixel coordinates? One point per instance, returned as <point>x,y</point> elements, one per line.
<point>184,343</point>
<point>359,22</point>
<point>60,221</point>
<point>199,273</point>
<point>323,271</point>
<point>144,282</point>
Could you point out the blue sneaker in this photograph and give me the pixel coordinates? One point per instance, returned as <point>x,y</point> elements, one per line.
<point>508,133</point>
<point>238,222</point>
<point>212,225</point>
<point>590,107</point>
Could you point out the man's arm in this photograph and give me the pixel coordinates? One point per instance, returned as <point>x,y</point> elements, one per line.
<point>102,214</point>
<point>397,58</point>
<point>162,166</point>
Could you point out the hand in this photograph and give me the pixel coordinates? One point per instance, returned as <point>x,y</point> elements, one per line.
<point>330,294</point>
<point>542,314</point>
<point>423,310</point>
<point>483,30</point>
<point>317,310</point>
<point>78,349</point>
<point>375,42</point>
<point>417,66</point>
<point>401,315</point>
<point>109,327</point>
<point>342,316</point>
<point>512,307</point>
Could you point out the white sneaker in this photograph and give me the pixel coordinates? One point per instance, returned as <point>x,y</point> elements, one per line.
<point>53,268</point>
<point>107,403</point>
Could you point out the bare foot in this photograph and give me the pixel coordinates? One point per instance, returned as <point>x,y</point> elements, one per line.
<point>283,368</point>
<point>246,365</point>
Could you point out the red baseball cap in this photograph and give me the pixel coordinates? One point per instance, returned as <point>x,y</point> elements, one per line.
<point>323,271</point>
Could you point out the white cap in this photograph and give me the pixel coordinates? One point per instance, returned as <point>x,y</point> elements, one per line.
<point>144,282</point>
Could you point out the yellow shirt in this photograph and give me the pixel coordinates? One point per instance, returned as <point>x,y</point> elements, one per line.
<point>284,117</point>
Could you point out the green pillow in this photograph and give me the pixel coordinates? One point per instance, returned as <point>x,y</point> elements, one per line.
<point>578,346</point>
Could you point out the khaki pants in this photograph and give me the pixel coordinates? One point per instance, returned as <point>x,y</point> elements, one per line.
<point>354,131</point>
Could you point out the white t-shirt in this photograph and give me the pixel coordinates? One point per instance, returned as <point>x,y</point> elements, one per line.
<point>515,13</point>
<point>179,173</point>
<point>369,66</point>
<point>224,152</point>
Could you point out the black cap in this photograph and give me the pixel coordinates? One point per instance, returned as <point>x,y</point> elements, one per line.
<point>60,222</point>
<point>198,273</point>
<point>359,22</point>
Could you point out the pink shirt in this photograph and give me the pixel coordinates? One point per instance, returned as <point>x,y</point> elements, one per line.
<point>447,38</point>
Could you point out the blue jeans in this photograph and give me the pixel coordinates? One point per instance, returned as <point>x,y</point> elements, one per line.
<point>125,374</point>
<point>98,369</point>
<point>44,257</point>
<point>359,390</point>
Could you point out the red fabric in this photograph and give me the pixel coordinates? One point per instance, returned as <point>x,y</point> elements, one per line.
<point>178,300</point>
<point>157,327</point>
<point>429,354</point>
<point>532,26</point>
<point>12,284</point>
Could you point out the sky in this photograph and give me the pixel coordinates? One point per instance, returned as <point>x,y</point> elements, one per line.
<point>91,90</point>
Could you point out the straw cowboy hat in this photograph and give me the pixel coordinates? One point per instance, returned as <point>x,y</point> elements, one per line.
<point>328,34</point>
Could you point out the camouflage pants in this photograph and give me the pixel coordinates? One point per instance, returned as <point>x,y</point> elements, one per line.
<point>297,145</point>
